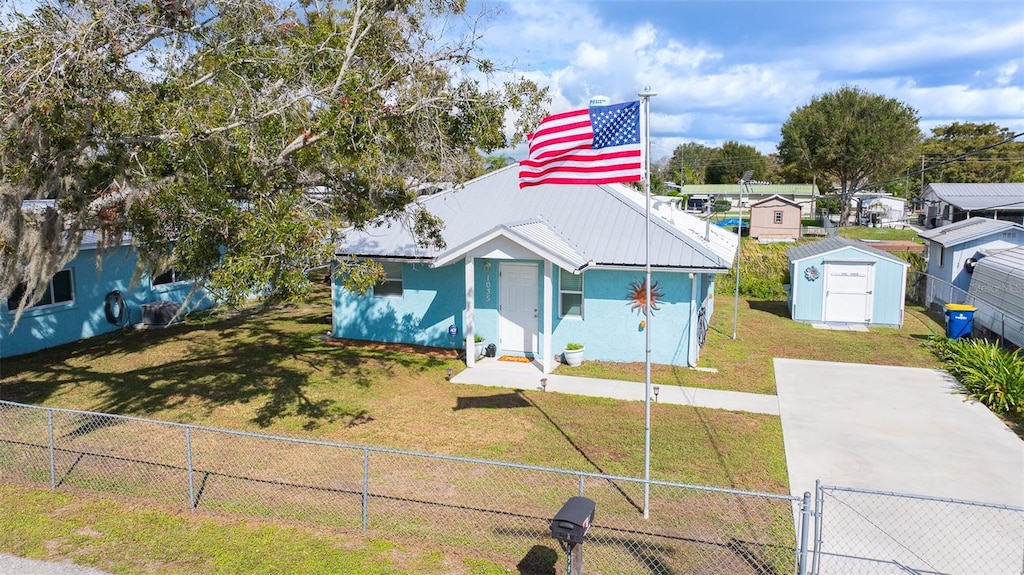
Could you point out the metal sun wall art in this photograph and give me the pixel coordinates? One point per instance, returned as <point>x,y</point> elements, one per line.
<point>637,295</point>
<point>811,273</point>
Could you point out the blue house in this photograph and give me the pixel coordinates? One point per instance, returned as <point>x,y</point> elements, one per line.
<point>954,248</point>
<point>837,280</point>
<point>90,297</point>
<point>533,269</point>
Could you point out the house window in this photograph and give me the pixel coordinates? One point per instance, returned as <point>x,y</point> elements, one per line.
<point>778,216</point>
<point>570,294</point>
<point>1010,235</point>
<point>942,252</point>
<point>391,286</point>
<point>169,277</point>
<point>61,289</point>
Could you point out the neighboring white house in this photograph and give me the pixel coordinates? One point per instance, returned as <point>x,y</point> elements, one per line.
<point>956,247</point>
<point>945,204</point>
<point>878,210</point>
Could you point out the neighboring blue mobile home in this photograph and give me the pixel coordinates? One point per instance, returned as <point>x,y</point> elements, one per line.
<point>533,269</point>
<point>85,300</point>
<point>837,280</point>
<point>953,249</point>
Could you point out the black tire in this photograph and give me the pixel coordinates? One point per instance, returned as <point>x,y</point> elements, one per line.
<point>113,307</point>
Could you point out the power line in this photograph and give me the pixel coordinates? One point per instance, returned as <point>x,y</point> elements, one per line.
<point>967,154</point>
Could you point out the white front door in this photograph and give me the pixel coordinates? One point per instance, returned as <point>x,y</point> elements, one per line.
<point>848,292</point>
<point>518,308</point>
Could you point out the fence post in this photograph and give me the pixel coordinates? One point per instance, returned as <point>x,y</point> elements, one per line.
<point>366,487</point>
<point>53,459</point>
<point>581,485</point>
<point>188,464</point>
<point>819,503</point>
<point>805,519</point>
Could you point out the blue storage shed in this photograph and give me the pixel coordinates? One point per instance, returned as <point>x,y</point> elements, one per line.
<point>837,280</point>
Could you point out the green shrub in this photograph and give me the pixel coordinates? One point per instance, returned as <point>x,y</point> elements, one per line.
<point>573,346</point>
<point>764,268</point>
<point>762,288</point>
<point>989,373</point>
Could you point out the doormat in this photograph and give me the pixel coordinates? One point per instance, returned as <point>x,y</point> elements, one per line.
<point>516,358</point>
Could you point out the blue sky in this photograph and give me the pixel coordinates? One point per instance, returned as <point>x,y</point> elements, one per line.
<point>735,70</point>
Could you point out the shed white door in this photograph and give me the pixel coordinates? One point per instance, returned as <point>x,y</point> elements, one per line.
<point>849,288</point>
<point>518,309</point>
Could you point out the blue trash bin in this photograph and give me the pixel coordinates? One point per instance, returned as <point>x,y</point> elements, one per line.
<point>959,320</point>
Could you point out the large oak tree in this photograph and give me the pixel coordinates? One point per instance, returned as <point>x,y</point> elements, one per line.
<point>852,137</point>
<point>233,138</point>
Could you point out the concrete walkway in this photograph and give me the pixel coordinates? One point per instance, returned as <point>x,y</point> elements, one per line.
<point>495,373</point>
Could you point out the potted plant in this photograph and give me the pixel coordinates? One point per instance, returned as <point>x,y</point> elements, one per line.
<point>478,341</point>
<point>573,354</point>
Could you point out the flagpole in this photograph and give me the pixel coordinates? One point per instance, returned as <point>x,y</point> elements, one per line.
<point>645,98</point>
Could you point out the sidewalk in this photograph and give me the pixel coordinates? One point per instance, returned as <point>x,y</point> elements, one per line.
<point>491,372</point>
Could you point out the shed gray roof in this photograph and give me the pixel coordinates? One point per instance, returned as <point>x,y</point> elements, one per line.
<point>603,224</point>
<point>978,197</point>
<point>967,230</point>
<point>837,243</point>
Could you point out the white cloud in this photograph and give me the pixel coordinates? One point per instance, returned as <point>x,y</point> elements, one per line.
<point>952,61</point>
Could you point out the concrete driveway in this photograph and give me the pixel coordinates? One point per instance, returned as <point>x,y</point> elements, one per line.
<point>903,430</point>
<point>896,429</point>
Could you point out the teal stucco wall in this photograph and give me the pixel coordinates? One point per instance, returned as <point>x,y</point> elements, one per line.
<point>434,299</point>
<point>52,325</point>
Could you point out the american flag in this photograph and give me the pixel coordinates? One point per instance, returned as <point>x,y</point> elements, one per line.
<point>597,145</point>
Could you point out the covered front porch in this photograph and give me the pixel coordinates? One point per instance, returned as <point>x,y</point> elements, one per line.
<point>509,299</point>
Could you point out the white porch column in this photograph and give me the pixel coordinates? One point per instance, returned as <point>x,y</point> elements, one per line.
<point>467,320</point>
<point>549,310</point>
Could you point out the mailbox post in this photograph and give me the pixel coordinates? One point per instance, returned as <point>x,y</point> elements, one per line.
<point>570,526</point>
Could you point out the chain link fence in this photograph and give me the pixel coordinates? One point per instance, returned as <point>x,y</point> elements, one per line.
<point>495,511</point>
<point>502,511</point>
<point>876,532</point>
<point>989,319</point>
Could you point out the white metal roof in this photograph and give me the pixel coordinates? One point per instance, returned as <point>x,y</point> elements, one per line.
<point>602,224</point>
<point>977,197</point>
<point>966,230</point>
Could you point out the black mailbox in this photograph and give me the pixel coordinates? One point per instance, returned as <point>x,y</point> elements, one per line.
<point>573,520</point>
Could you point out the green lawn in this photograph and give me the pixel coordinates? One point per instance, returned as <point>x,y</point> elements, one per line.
<point>273,373</point>
<point>124,538</point>
<point>270,373</point>
<point>764,331</point>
